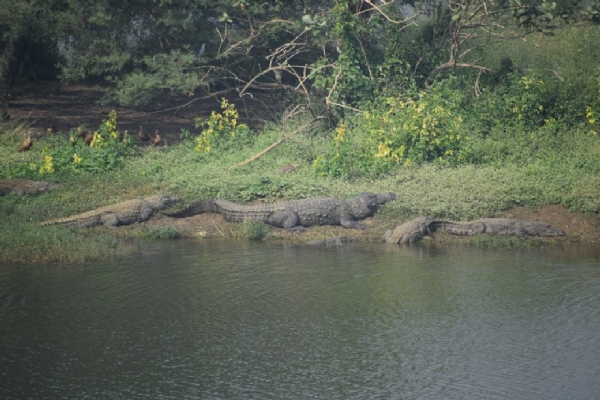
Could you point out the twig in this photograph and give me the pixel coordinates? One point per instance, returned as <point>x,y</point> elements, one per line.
<point>222,234</point>
<point>254,157</point>
<point>271,147</point>
<point>549,70</point>
<point>194,100</point>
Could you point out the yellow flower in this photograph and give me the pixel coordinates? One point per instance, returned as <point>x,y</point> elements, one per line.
<point>77,159</point>
<point>47,168</point>
<point>589,112</point>
<point>341,134</point>
<point>96,140</point>
<point>383,150</point>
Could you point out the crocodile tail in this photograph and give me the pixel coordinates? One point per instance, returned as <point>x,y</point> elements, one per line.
<point>72,222</point>
<point>199,207</point>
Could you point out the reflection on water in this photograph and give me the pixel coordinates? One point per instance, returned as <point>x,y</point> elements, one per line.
<point>237,320</point>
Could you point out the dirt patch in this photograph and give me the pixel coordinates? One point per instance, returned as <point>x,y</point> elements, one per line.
<point>42,105</point>
<point>580,228</point>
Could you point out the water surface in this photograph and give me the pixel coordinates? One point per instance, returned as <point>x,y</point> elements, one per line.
<point>240,320</point>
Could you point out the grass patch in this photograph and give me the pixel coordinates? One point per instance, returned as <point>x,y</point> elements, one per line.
<point>27,243</point>
<point>156,232</point>
<point>504,242</point>
<point>256,230</point>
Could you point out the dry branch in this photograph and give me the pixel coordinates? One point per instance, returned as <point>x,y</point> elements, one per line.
<point>311,124</point>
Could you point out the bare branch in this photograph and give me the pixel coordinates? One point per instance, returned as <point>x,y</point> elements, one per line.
<point>309,125</point>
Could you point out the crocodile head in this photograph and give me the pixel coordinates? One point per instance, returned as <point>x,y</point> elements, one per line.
<point>537,229</point>
<point>374,200</point>
<point>161,201</point>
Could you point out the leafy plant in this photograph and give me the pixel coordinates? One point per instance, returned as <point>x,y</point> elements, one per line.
<point>256,230</point>
<point>106,151</point>
<point>397,132</point>
<point>221,129</point>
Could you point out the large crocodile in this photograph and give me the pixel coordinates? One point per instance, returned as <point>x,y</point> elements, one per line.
<point>296,214</point>
<point>414,230</point>
<point>124,213</point>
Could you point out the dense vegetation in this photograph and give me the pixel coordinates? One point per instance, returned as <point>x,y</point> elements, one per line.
<point>465,109</point>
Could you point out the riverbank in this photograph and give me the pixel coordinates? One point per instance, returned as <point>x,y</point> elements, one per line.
<point>581,229</point>
<point>551,177</point>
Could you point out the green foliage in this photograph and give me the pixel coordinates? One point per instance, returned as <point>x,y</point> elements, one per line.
<point>175,72</point>
<point>592,11</point>
<point>256,230</point>
<point>262,187</point>
<point>106,151</point>
<point>222,131</point>
<point>504,242</point>
<point>346,74</point>
<point>397,132</point>
<point>23,241</point>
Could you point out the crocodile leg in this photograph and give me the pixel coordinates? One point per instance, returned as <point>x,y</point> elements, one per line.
<point>287,219</point>
<point>110,220</point>
<point>348,221</point>
<point>145,212</point>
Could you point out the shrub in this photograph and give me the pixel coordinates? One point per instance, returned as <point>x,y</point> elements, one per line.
<point>106,151</point>
<point>221,129</point>
<point>256,230</point>
<point>397,132</point>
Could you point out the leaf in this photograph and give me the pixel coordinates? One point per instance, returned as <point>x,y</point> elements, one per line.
<point>307,19</point>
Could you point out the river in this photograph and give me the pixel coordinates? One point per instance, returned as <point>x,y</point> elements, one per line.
<point>242,320</point>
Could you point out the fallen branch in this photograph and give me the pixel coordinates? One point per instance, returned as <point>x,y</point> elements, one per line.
<point>271,147</point>
<point>254,157</point>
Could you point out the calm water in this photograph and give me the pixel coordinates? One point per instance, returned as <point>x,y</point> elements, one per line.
<point>236,320</point>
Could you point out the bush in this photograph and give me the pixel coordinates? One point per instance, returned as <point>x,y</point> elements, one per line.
<point>256,230</point>
<point>106,151</point>
<point>398,132</point>
<point>221,130</point>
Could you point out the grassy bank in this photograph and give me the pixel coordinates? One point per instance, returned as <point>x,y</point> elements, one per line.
<point>469,146</point>
<point>550,175</point>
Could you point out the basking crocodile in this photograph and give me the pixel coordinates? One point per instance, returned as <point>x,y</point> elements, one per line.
<point>124,213</point>
<point>414,230</point>
<point>296,214</point>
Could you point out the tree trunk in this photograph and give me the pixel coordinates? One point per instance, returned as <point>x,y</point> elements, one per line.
<point>10,64</point>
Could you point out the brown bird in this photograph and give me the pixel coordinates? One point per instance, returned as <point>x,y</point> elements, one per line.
<point>143,136</point>
<point>80,131</point>
<point>27,143</point>
<point>156,140</point>
<point>88,137</point>
<point>72,140</point>
<point>51,129</point>
<point>123,138</point>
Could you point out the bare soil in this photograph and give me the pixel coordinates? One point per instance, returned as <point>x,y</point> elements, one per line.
<point>45,104</point>
<point>42,105</point>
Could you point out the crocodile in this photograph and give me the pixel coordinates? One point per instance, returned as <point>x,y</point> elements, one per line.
<point>414,230</point>
<point>296,214</point>
<point>23,186</point>
<point>124,213</point>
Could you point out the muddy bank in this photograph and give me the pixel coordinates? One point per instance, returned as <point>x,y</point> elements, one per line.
<point>580,228</point>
